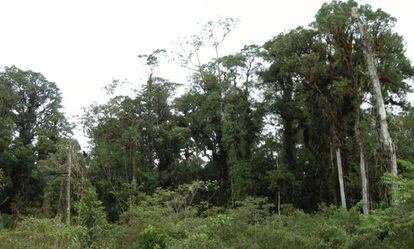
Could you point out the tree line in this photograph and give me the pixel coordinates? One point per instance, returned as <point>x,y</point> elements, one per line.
<point>318,114</point>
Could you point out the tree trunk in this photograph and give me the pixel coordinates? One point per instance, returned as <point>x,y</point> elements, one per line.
<point>340,177</point>
<point>289,144</point>
<point>133,164</point>
<point>335,194</point>
<point>278,189</point>
<point>379,101</point>
<point>364,181</point>
<point>364,178</point>
<point>278,201</point>
<point>69,171</point>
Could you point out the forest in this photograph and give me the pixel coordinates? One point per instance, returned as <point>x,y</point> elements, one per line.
<point>306,141</point>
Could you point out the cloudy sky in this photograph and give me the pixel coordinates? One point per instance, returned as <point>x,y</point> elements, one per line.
<point>83,44</point>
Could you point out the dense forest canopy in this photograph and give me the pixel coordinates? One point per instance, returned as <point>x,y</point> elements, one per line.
<point>305,141</point>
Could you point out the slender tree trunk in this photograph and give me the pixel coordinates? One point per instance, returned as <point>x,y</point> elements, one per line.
<point>278,201</point>
<point>69,172</point>
<point>134,164</point>
<point>379,100</point>
<point>331,150</point>
<point>364,181</point>
<point>232,192</point>
<point>364,178</point>
<point>278,188</point>
<point>340,177</point>
<point>126,165</point>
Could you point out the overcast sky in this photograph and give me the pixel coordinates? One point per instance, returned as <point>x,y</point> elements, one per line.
<point>83,44</point>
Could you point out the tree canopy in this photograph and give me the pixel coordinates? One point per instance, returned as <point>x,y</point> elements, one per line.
<point>284,141</point>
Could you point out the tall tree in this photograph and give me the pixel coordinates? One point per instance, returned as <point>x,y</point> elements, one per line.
<point>35,114</point>
<point>379,100</point>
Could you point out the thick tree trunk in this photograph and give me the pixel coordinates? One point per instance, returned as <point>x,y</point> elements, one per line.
<point>69,172</point>
<point>364,178</point>
<point>340,177</point>
<point>379,100</point>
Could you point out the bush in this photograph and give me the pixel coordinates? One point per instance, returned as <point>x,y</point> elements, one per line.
<point>42,234</point>
<point>157,223</point>
<point>91,216</point>
<point>151,238</point>
<point>6,221</point>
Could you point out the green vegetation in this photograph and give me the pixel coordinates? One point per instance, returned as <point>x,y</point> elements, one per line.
<point>166,219</point>
<point>277,146</point>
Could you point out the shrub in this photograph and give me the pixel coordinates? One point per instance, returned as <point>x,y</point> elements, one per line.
<point>42,234</point>
<point>151,238</point>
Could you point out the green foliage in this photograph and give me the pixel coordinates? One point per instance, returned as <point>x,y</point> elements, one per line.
<point>2,180</point>
<point>31,126</point>
<point>254,132</point>
<point>252,225</point>
<point>150,238</point>
<point>42,233</point>
<point>91,216</point>
<point>6,221</point>
<point>405,182</point>
<point>154,223</point>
